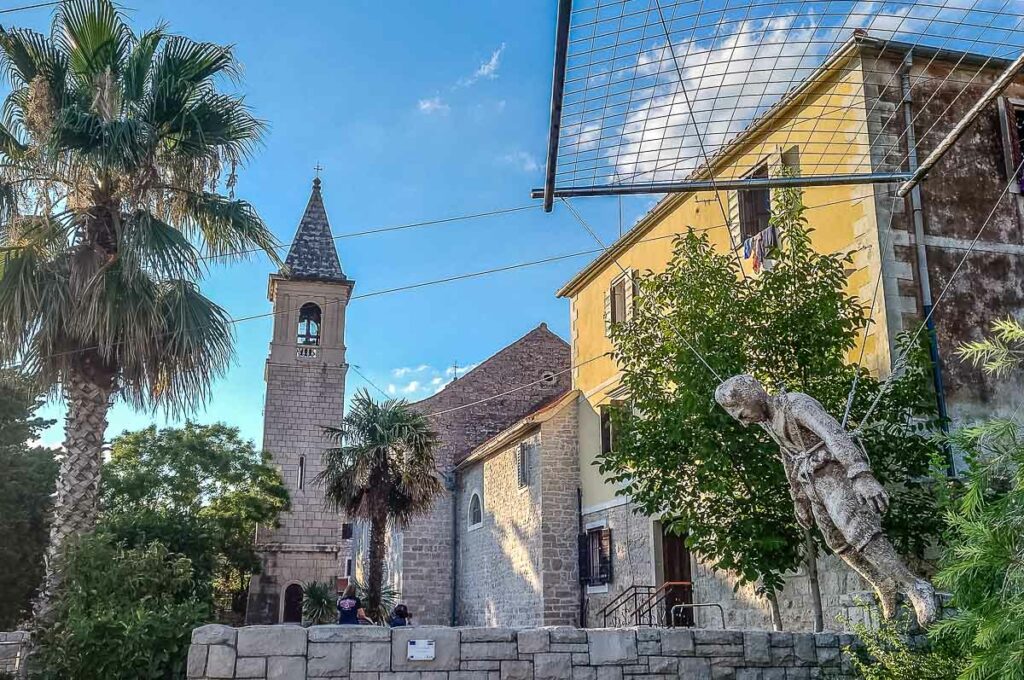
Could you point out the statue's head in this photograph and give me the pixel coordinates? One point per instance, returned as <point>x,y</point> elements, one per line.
<point>743,397</point>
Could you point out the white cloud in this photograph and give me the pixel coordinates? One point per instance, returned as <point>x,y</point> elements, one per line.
<point>392,389</point>
<point>412,387</point>
<point>436,380</point>
<point>406,370</point>
<point>523,160</point>
<point>487,69</point>
<point>433,105</point>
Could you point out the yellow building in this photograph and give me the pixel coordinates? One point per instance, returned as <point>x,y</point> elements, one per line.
<point>847,117</point>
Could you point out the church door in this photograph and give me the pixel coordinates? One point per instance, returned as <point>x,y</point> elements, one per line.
<point>293,604</point>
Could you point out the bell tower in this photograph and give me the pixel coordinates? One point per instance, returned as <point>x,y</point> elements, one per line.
<point>305,375</point>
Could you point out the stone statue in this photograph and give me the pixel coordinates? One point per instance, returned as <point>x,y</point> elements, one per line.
<point>831,484</point>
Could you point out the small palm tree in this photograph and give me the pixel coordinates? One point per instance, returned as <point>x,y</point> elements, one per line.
<point>382,471</point>
<point>318,602</point>
<point>112,146</point>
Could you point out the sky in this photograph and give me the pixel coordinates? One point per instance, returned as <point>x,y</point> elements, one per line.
<point>416,111</point>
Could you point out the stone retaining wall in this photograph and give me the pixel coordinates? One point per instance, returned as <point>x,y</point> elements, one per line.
<point>554,653</point>
<point>12,650</point>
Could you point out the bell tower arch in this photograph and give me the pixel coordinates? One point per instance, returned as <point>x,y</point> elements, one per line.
<point>305,376</point>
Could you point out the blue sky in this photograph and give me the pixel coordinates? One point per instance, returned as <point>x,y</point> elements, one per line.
<point>416,111</point>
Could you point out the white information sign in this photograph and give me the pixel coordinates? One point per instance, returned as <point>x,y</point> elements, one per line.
<point>420,650</point>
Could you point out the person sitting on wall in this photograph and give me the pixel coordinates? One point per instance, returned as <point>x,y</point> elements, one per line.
<point>350,608</point>
<point>400,616</point>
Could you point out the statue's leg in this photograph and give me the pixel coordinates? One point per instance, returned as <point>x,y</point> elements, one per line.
<point>885,586</point>
<point>885,559</point>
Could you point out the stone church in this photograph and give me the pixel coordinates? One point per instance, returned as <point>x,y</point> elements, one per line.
<point>305,375</point>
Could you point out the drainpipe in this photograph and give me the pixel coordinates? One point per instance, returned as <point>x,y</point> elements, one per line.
<point>451,485</point>
<point>922,255</point>
<point>579,579</point>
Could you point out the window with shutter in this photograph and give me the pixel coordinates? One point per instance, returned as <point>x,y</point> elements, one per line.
<point>583,546</point>
<point>346,530</point>
<point>755,206</point>
<point>1011,121</point>
<point>523,464</point>
<point>618,299</point>
<point>596,557</point>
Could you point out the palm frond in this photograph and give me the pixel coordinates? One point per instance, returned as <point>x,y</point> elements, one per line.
<point>215,123</point>
<point>180,68</point>
<point>121,144</point>
<point>26,54</point>
<point>139,63</point>
<point>193,350</point>
<point>9,144</point>
<point>227,227</point>
<point>93,35</point>
<point>147,243</point>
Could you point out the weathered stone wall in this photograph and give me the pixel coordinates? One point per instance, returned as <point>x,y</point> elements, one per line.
<point>424,565</point>
<point>556,653</point>
<point>13,646</point>
<point>499,571</point>
<point>559,482</point>
<point>633,562</point>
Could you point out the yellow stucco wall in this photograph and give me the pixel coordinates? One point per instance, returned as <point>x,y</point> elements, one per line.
<point>827,125</point>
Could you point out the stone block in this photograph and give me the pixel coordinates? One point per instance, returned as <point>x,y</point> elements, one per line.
<point>516,670</point>
<point>579,659</point>
<point>480,665</point>
<point>331,659</point>
<point>826,640</point>
<point>349,634</point>
<point>609,673</point>
<point>663,664</point>
<point>804,649</point>
<point>480,634</point>
<point>748,674</point>
<point>533,640</point>
<point>371,656</point>
<point>214,634</point>
<point>782,639</point>
<point>829,656</point>
<point>757,648</point>
<point>718,637</point>
<point>372,675</point>
<point>782,656</point>
<point>695,669</point>
<point>286,667</point>
<point>677,643</point>
<point>447,648</point>
<point>610,646</point>
<point>798,674</point>
<point>220,662</point>
<point>252,667</point>
<point>551,666</point>
<point>648,647</point>
<point>488,650</point>
<point>719,650</point>
<point>272,640</point>
<point>567,634</point>
<point>723,672</point>
<point>773,674</point>
<point>571,647</point>
<point>648,634</point>
<point>196,666</point>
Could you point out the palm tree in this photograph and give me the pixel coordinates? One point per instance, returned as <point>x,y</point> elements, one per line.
<point>382,471</point>
<point>112,146</point>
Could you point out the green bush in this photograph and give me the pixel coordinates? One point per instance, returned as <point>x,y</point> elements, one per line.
<point>120,613</point>
<point>889,652</point>
<point>319,602</point>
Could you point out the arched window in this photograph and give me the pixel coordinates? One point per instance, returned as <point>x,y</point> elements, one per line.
<point>302,472</point>
<point>476,511</point>
<point>309,324</point>
<point>292,604</point>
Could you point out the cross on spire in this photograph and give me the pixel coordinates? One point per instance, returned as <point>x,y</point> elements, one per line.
<point>317,168</point>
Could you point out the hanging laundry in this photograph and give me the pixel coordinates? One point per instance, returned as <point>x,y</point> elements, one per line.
<point>748,245</point>
<point>758,249</point>
<point>770,239</point>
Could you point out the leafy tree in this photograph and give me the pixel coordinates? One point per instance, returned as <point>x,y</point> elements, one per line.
<point>200,490</point>
<point>982,567</point>
<point>889,652</point>
<point>383,471</point>
<point>27,475</point>
<point>793,327</point>
<point>120,613</point>
<point>112,148</point>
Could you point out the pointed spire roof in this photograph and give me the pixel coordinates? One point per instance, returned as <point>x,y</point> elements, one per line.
<point>313,254</point>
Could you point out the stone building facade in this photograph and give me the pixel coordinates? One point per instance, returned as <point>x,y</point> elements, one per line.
<point>478,406</point>
<point>305,375</point>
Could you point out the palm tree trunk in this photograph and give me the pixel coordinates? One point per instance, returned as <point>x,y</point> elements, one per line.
<point>77,498</point>
<point>375,577</point>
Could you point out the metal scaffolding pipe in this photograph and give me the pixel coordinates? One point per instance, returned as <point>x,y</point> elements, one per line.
<point>557,89</point>
<point>997,88</point>
<point>724,184</point>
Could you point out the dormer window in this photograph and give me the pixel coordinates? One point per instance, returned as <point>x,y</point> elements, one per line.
<point>309,325</point>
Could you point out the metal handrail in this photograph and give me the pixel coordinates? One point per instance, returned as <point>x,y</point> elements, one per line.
<point>695,606</point>
<point>620,600</point>
<point>658,596</point>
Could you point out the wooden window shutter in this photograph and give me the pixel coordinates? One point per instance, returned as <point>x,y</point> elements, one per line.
<point>604,551</point>
<point>583,541</point>
<point>1009,127</point>
<point>735,229</point>
<point>523,464</point>
<point>631,292</point>
<point>608,312</point>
